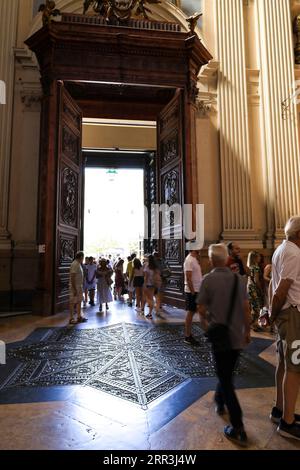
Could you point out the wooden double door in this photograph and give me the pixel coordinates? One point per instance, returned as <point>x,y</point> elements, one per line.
<point>77,56</point>
<point>164,186</point>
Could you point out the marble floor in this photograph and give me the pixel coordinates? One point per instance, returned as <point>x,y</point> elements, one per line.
<point>85,418</point>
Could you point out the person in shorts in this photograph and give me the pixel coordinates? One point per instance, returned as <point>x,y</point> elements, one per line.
<point>129,277</point>
<point>285,313</point>
<point>192,283</point>
<point>138,284</point>
<point>76,288</point>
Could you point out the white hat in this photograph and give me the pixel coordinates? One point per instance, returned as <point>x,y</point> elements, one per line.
<point>193,245</point>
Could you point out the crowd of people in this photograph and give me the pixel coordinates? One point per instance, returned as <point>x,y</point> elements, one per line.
<point>230,300</point>
<point>102,282</point>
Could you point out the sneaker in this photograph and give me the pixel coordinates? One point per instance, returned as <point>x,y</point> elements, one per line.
<point>238,436</point>
<point>276,415</point>
<point>289,430</point>
<point>191,341</point>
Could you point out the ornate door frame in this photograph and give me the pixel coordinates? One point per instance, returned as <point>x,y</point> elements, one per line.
<point>79,50</point>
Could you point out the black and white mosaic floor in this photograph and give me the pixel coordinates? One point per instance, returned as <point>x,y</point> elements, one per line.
<point>134,362</point>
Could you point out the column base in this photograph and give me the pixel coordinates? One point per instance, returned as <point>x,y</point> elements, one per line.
<point>5,242</point>
<point>249,239</point>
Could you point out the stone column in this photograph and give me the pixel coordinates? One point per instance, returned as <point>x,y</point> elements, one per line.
<point>233,122</point>
<point>8,35</point>
<point>281,150</point>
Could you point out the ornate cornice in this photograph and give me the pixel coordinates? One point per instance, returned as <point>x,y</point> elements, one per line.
<point>207,84</point>
<point>31,95</point>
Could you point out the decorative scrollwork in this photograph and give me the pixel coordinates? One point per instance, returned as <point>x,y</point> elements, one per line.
<point>120,10</point>
<point>69,189</point>
<point>169,148</point>
<point>172,250</point>
<point>67,250</point>
<point>171,188</point>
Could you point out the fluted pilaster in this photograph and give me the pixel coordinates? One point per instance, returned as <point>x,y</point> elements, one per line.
<point>280,123</point>
<point>234,133</point>
<point>8,34</point>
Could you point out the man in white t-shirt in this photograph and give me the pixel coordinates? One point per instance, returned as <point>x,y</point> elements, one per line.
<point>76,288</point>
<point>285,312</point>
<point>192,283</point>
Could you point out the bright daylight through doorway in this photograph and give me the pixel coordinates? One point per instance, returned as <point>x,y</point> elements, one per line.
<point>113,211</point>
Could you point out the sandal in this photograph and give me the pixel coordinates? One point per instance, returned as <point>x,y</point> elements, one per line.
<point>82,320</point>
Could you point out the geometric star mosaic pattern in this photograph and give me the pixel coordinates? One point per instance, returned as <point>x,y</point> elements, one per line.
<point>134,362</point>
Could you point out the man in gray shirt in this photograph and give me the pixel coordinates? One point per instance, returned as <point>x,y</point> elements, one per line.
<point>213,301</point>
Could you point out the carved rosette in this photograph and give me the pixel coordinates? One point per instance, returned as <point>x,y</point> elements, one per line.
<point>69,198</point>
<point>174,283</point>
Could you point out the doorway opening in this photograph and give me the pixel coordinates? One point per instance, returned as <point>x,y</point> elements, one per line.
<point>113,212</point>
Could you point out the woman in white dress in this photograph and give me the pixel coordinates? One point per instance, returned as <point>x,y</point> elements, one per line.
<point>104,282</point>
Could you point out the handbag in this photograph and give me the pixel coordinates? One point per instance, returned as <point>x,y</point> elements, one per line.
<point>218,333</point>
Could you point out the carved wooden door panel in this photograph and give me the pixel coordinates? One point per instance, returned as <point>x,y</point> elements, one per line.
<point>69,190</point>
<point>150,199</point>
<point>171,192</point>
